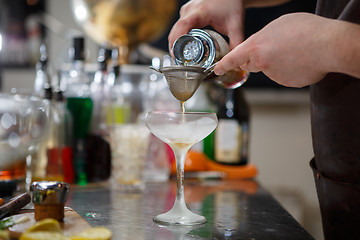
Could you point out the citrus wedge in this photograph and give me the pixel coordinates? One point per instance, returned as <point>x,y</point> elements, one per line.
<point>48,224</point>
<point>95,233</point>
<point>43,235</point>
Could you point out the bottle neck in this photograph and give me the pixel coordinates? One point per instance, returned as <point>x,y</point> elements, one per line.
<point>77,73</point>
<point>78,65</point>
<point>100,77</point>
<point>113,75</point>
<point>241,108</point>
<point>230,102</point>
<point>41,65</point>
<point>78,82</point>
<point>102,66</point>
<point>101,74</point>
<point>233,105</point>
<point>48,93</point>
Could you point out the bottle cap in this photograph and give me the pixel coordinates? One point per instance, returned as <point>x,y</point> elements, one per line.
<point>43,54</point>
<point>48,92</point>
<point>48,192</point>
<point>59,96</point>
<point>78,48</point>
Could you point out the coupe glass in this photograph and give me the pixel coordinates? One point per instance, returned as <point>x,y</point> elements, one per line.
<point>180,131</point>
<point>23,122</point>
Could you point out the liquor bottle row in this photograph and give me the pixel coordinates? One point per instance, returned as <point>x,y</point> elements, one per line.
<point>77,147</point>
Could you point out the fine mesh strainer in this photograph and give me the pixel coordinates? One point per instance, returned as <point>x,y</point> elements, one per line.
<point>183,81</point>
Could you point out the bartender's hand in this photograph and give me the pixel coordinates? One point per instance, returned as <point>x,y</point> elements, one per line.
<point>225,16</point>
<point>297,50</point>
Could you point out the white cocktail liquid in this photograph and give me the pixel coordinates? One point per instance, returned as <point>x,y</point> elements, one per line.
<point>185,132</point>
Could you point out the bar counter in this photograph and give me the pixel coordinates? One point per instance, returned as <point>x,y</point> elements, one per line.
<point>236,209</point>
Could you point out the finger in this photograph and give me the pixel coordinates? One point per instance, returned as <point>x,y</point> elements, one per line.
<point>235,30</point>
<point>177,30</point>
<point>235,37</point>
<point>184,25</point>
<point>232,61</point>
<point>234,33</point>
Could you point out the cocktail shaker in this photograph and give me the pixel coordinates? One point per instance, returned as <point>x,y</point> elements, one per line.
<point>200,48</point>
<point>204,48</point>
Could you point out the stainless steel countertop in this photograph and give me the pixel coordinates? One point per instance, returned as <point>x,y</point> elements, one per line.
<point>239,209</point>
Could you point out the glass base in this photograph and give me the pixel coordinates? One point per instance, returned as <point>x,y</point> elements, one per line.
<point>179,216</point>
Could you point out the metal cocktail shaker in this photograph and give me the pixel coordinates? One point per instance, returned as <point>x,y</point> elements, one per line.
<point>200,48</point>
<point>203,48</point>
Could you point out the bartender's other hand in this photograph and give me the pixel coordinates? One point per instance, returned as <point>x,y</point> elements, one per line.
<point>291,50</point>
<point>225,16</point>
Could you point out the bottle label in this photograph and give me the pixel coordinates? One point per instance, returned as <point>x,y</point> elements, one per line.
<point>228,141</point>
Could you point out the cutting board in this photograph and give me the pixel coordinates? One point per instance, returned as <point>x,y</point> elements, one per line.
<point>73,223</point>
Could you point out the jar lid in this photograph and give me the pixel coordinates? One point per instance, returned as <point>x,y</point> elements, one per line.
<point>49,192</point>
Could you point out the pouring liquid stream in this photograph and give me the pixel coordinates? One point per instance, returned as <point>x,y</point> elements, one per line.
<point>182,105</point>
<point>182,102</point>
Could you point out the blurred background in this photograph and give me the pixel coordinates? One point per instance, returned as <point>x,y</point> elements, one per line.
<point>280,137</point>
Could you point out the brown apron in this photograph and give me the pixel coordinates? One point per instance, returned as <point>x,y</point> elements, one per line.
<point>335,121</point>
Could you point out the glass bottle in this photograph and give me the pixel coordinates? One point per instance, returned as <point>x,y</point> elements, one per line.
<point>47,162</point>
<point>63,134</point>
<point>98,149</point>
<point>201,102</point>
<point>42,78</point>
<point>119,104</point>
<point>99,92</point>
<point>232,133</point>
<point>79,103</point>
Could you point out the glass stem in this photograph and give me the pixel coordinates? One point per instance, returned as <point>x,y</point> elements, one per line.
<point>180,162</point>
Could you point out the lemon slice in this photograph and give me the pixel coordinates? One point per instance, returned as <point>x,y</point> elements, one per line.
<point>43,235</point>
<point>48,224</point>
<point>95,233</point>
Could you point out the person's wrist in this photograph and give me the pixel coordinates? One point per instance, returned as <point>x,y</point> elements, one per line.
<point>325,49</point>
<point>345,47</point>
<point>331,47</point>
